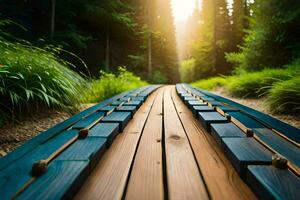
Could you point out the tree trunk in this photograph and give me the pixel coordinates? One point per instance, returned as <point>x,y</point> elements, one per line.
<point>107,53</point>
<point>149,54</point>
<point>52,29</point>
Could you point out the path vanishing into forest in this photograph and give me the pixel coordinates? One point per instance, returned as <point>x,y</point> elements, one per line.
<point>158,142</point>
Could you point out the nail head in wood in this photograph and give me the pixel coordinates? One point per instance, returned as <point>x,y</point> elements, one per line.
<point>279,161</point>
<point>39,168</point>
<point>249,132</point>
<point>83,133</point>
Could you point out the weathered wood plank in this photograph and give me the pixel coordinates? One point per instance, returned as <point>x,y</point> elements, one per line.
<point>146,178</point>
<point>183,176</point>
<point>131,109</point>
<point>245,151</point>
<point>105,130</point>
<point>269,182</point>
<point>108,179</point>
<point>89,120</point>
<point>208,118</point>
<point>221,179</point>
<point>225,130</point>
<point>118,117</point>
<point>15,176</point>
<point>61,181</point>
<point>89,149</point>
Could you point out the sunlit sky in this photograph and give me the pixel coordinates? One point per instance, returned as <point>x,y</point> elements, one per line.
<point>182,9</point>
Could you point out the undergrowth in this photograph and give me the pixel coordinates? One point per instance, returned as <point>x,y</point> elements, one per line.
<point>110,84</point>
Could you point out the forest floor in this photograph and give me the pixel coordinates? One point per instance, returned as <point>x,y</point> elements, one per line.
<point>259,104</point>
<point>17,133</point>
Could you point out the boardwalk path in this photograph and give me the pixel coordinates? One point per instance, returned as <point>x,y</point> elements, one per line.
<point>163,152</point>
<point>158,142</point>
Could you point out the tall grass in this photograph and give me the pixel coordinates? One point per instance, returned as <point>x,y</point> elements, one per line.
<point>284,97</point>
<point>256,84</point>
<point>110,84</point>
<point>30,75</point>
<point>211,83</point>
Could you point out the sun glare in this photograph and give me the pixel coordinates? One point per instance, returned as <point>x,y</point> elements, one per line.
<point>182,9</point>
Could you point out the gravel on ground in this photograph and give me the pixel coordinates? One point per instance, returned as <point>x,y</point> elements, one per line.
<point>16,133</point>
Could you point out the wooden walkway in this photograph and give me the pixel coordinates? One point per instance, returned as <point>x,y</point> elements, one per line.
<point>158,142</point>
<point>164,152</point>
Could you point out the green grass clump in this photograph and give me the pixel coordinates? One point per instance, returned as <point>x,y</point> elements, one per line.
<point>32,76</point>
<point>284,97</point>
<point>211,83</point>
<point>110,84</point>
<point>256,84</point>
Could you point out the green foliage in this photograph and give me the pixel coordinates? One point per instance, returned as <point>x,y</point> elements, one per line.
<point>187,69</point>
<point>212,83</point>
<point>110,84</point>
<point>256,84</point>
<point>30,75</point>
<point>158,77</point>
<point>284,96</point>
<point>273,39</point>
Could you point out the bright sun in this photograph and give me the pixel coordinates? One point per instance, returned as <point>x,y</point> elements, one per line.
<point>182,9</point>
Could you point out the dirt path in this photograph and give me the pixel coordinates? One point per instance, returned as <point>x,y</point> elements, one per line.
<point>15,134</point>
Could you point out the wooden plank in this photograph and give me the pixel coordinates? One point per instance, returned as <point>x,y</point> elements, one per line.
<point>225,130</point>
<point>108,109</point>
<point>202,108</point>
<point>52,132</point>
<point>61,181</point>
<point>269,182</point>
<point>190,98</point>
<point>245,151</point>
<point>214,103</point>
<point>208,118</point>
<point>131,109</point>
<point>138,98</point>
<point>146,178</point>
<point>221,179</point>
<point>109,131</point>
<point>118,117</point>
<point>89,120</point>
<point>117,103</point>
<point>108,179</point>
<point>183,177</point>
<point>279,145</point>
<point>134,103</point>
<point>89,149</point>
<point>15,176</point>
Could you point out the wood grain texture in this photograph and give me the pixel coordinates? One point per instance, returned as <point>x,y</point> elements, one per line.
<point>89,121</point>
<point>183,177</point>
<point>146,179</point>
<point>61,181</point>
<point>118,117</point>
<point>208,118</point>
<point>105,130</point>
<point>269,182</point>
<point>245,151</point>
<point>108,179</point>
<point>225,130</point>
<point>221,179</point>
<point>15,176</point>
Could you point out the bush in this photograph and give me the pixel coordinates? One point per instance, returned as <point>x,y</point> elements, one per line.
<point>110,84</point>
<point>285,96</point>
<point>211,83</point>
<point>187,70</point>
<point>30,75</point>
<point>256,84</point>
